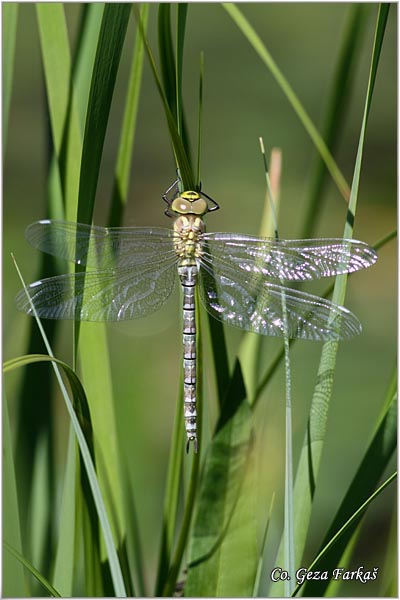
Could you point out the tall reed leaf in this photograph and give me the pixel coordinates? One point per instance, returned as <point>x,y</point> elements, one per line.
<point>224,531</point>
<point>349,523</point>
<point>57,66</point>
<point>14,584</point>
<point>171,62</point>
<point>68,144</point>
<point>65,166</point>
<point>200,122</point>
<point>30,568</point>
<point>180,153</point>
<point>336,109</point>
<point>93,352</point>
<point>61,100</point>
<point>35,427</point>
<point>63,576</point>
<point>314,439</point>
<point>84,445</point>
<point>127,137</point>
<point>108,54</point>
<point>190,497</point>
<point>251,344</point>
<point>171,497</point>
<point>258,45</point>
<point>85,54</point>
<point>180,39</point>
<point>372,466</point>
<point>9,30</point>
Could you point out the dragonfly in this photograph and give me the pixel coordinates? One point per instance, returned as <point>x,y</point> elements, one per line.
<point>130,272</point>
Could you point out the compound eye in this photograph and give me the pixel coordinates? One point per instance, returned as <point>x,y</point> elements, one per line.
<point>181,206</point>
<point>199,207</point>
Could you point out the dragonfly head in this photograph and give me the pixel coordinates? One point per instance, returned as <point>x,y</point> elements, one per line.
<point>191,203</point>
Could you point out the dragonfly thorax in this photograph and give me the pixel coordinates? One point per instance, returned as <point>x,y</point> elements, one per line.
<point>187,241</point>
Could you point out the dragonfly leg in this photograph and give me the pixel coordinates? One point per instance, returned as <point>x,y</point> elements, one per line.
<point>171,187</point>
<point>168,200</point>
<point>215,204</point>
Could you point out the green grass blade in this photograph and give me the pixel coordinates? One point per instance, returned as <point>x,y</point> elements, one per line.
<point>84,445</point>
<point>134,543</point>
<point>171,497</point>
<point>269,226</point>
<point>256,588</point>
<point>57,66</point>
<point>80,404</point>
<point>336,110</point>
<point>250,347</point>
<point>9,30</point>
<point>167,58</point>
<point>85,55</point>
<point>96,372</point>
<point>181,8</point>
<point>200,122</point>
<point>86,448</point>
<point>61,100</point>
<point>46,584</point>
<point>181,156</point>
<point>390,567</point>
<point>40,552</point>
<point>67,140</point>
<point>172,68</point>
<point>96,377</point>
<point>175,564</point>
<point>122,170</point>
<point>108,54</point>
<point>14,584</point>
<point>224,531</point>
<point>220,358</point>
<point>386,239</point>
<point>349,523</point>
<point>333,589</point>
<point>289,536</point>
<point>36,422</point>
<point>378,41</point>
<point>63,576</point>
<point>314,439</point>
<point>256,42</point>
<point>173,573</point>
<point>373,465</point>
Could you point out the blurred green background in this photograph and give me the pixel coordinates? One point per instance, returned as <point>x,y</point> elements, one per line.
<point>241,102</point>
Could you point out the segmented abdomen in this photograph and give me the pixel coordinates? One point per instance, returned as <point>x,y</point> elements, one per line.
<point>188,277</point>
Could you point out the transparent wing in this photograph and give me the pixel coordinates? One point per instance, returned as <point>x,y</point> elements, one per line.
<point>293,260</point>
<point>100,247</point>
<point>102,295</point>
<point>256,305</point>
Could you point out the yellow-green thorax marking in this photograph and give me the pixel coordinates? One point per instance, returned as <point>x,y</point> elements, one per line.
<point>188,227</point>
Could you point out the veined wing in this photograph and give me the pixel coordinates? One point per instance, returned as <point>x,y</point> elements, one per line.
<point>101,247</point>
<point>293,260</point>
<point>256,305</point>
<point>102,295</point>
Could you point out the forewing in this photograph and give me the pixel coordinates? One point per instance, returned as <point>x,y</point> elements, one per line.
<point>292,260</point>
<point>100,247</point>
<point>259,306</point>
<point>101,295</point>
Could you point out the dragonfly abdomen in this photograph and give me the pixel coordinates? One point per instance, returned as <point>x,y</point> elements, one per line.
<point>188,277</point>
